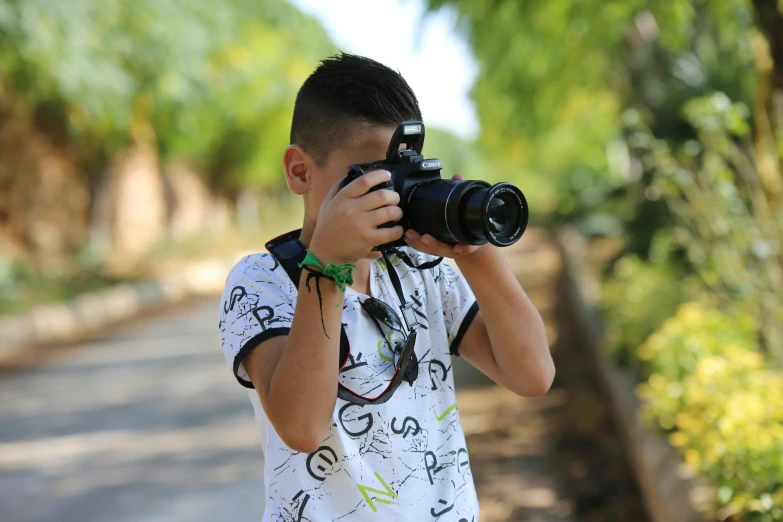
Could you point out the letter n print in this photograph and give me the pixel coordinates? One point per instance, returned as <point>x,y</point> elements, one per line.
<point>387,492</point>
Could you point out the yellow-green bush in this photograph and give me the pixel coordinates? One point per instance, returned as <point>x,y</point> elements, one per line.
<point>635,300</point>
<point>639,295</point>
<point>711,391</point>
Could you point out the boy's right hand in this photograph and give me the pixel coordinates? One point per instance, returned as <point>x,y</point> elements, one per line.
<point>347,228</point>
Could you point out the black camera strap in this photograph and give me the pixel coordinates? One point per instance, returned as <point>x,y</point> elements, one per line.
<point>407,260</point>
<point>289,252</point>
<point>408,314</point>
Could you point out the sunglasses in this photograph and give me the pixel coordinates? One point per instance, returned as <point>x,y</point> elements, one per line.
<point>406,364</point>
<point>380,311</point>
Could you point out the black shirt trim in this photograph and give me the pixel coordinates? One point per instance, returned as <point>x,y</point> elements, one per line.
<point>454,348</point>
<point>249,345</point>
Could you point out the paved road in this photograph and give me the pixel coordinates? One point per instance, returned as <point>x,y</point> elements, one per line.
<point>144,425</point>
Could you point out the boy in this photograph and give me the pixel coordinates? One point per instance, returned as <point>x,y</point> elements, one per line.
<point>336,459</point>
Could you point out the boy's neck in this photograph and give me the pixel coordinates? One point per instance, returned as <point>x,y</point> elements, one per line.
<point>361,277</point>
<point>306,235</point>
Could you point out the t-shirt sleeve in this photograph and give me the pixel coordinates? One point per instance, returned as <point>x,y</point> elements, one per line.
<point>459,304</point>
<point>258,304</point>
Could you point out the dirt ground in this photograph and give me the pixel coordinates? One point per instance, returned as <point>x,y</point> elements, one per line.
<point>552,458</point>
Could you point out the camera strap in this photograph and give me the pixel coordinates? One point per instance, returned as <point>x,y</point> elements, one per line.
<point>408,313</point>
<point>407,260</point>
<point>289,252</point>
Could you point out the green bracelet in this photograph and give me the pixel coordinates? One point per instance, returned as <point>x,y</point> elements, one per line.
<point>341,274</point>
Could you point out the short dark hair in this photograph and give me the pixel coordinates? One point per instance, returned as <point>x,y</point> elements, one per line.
<point>345,93</point>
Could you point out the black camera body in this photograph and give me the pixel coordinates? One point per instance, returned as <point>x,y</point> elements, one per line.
<point>452,211</point>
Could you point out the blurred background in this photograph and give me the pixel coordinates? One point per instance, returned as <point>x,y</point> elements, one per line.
<point>139,137</point>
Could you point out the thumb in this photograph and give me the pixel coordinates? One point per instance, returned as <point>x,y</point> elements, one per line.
<point>458,177</point>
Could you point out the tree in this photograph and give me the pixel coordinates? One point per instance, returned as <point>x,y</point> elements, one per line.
<point>556,77</point>
<point>199,73</point>
<point>129,86</point>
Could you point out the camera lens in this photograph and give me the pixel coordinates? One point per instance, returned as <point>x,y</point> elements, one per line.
<point>468,212</point>
<point>502,215</point>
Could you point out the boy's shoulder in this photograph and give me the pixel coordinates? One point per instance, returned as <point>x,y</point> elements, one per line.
<point>260,268</point>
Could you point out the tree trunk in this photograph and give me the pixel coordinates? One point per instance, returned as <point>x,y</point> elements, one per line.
<point>190,201</point>
<point>134,205</point>
<point>770,20</point>
<point>44,200</point>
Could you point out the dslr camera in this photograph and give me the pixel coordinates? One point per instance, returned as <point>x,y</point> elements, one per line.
<point>466,212</point>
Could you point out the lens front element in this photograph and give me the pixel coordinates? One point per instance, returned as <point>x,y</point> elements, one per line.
<point>500,216</point>
<point>497,214</point>
<point>504,214</point>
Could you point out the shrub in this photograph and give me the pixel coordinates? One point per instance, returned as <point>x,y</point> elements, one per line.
<point>636,299</point>
<point>712,393</point>
<point>639,296</point>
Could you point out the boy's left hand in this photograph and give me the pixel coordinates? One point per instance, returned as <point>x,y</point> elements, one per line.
<point>429,245</point>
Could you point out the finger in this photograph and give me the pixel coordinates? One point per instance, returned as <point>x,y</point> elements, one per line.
<point>458,177</point>
<point>382,215</point>
<point>429,245</point>
<point>387,235</point>
<point>436,247</point>
<point>461,250</point>
<point>364,183</point>
<point>374,255</point>
<point>377,199</point>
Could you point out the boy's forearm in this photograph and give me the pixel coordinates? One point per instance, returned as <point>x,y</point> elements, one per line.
<point>516,331</point>
<point>303,388</point>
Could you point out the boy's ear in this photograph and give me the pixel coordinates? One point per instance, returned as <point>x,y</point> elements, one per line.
<point>296,166</point>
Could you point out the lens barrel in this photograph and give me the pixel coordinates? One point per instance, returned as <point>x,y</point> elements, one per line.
<point>467,212</point>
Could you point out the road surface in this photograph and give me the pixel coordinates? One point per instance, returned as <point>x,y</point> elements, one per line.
<point>145,425</point>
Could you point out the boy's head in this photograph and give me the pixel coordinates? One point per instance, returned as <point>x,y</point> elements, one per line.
<point>345,112</point>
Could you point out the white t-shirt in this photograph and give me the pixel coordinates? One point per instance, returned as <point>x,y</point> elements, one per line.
<point>402,460</point>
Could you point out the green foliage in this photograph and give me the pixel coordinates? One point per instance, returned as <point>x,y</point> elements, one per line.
<point>731,232</point>
<point>204,75</point>
<point>712,393</point>
<point>655,121</point>
<point>542,97</point>
<point>698,330</point>
<point>458,156</point>
<point>23,287</point>
<point>710,384</point>
<point>557,75</point>
<point>639,296</point>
